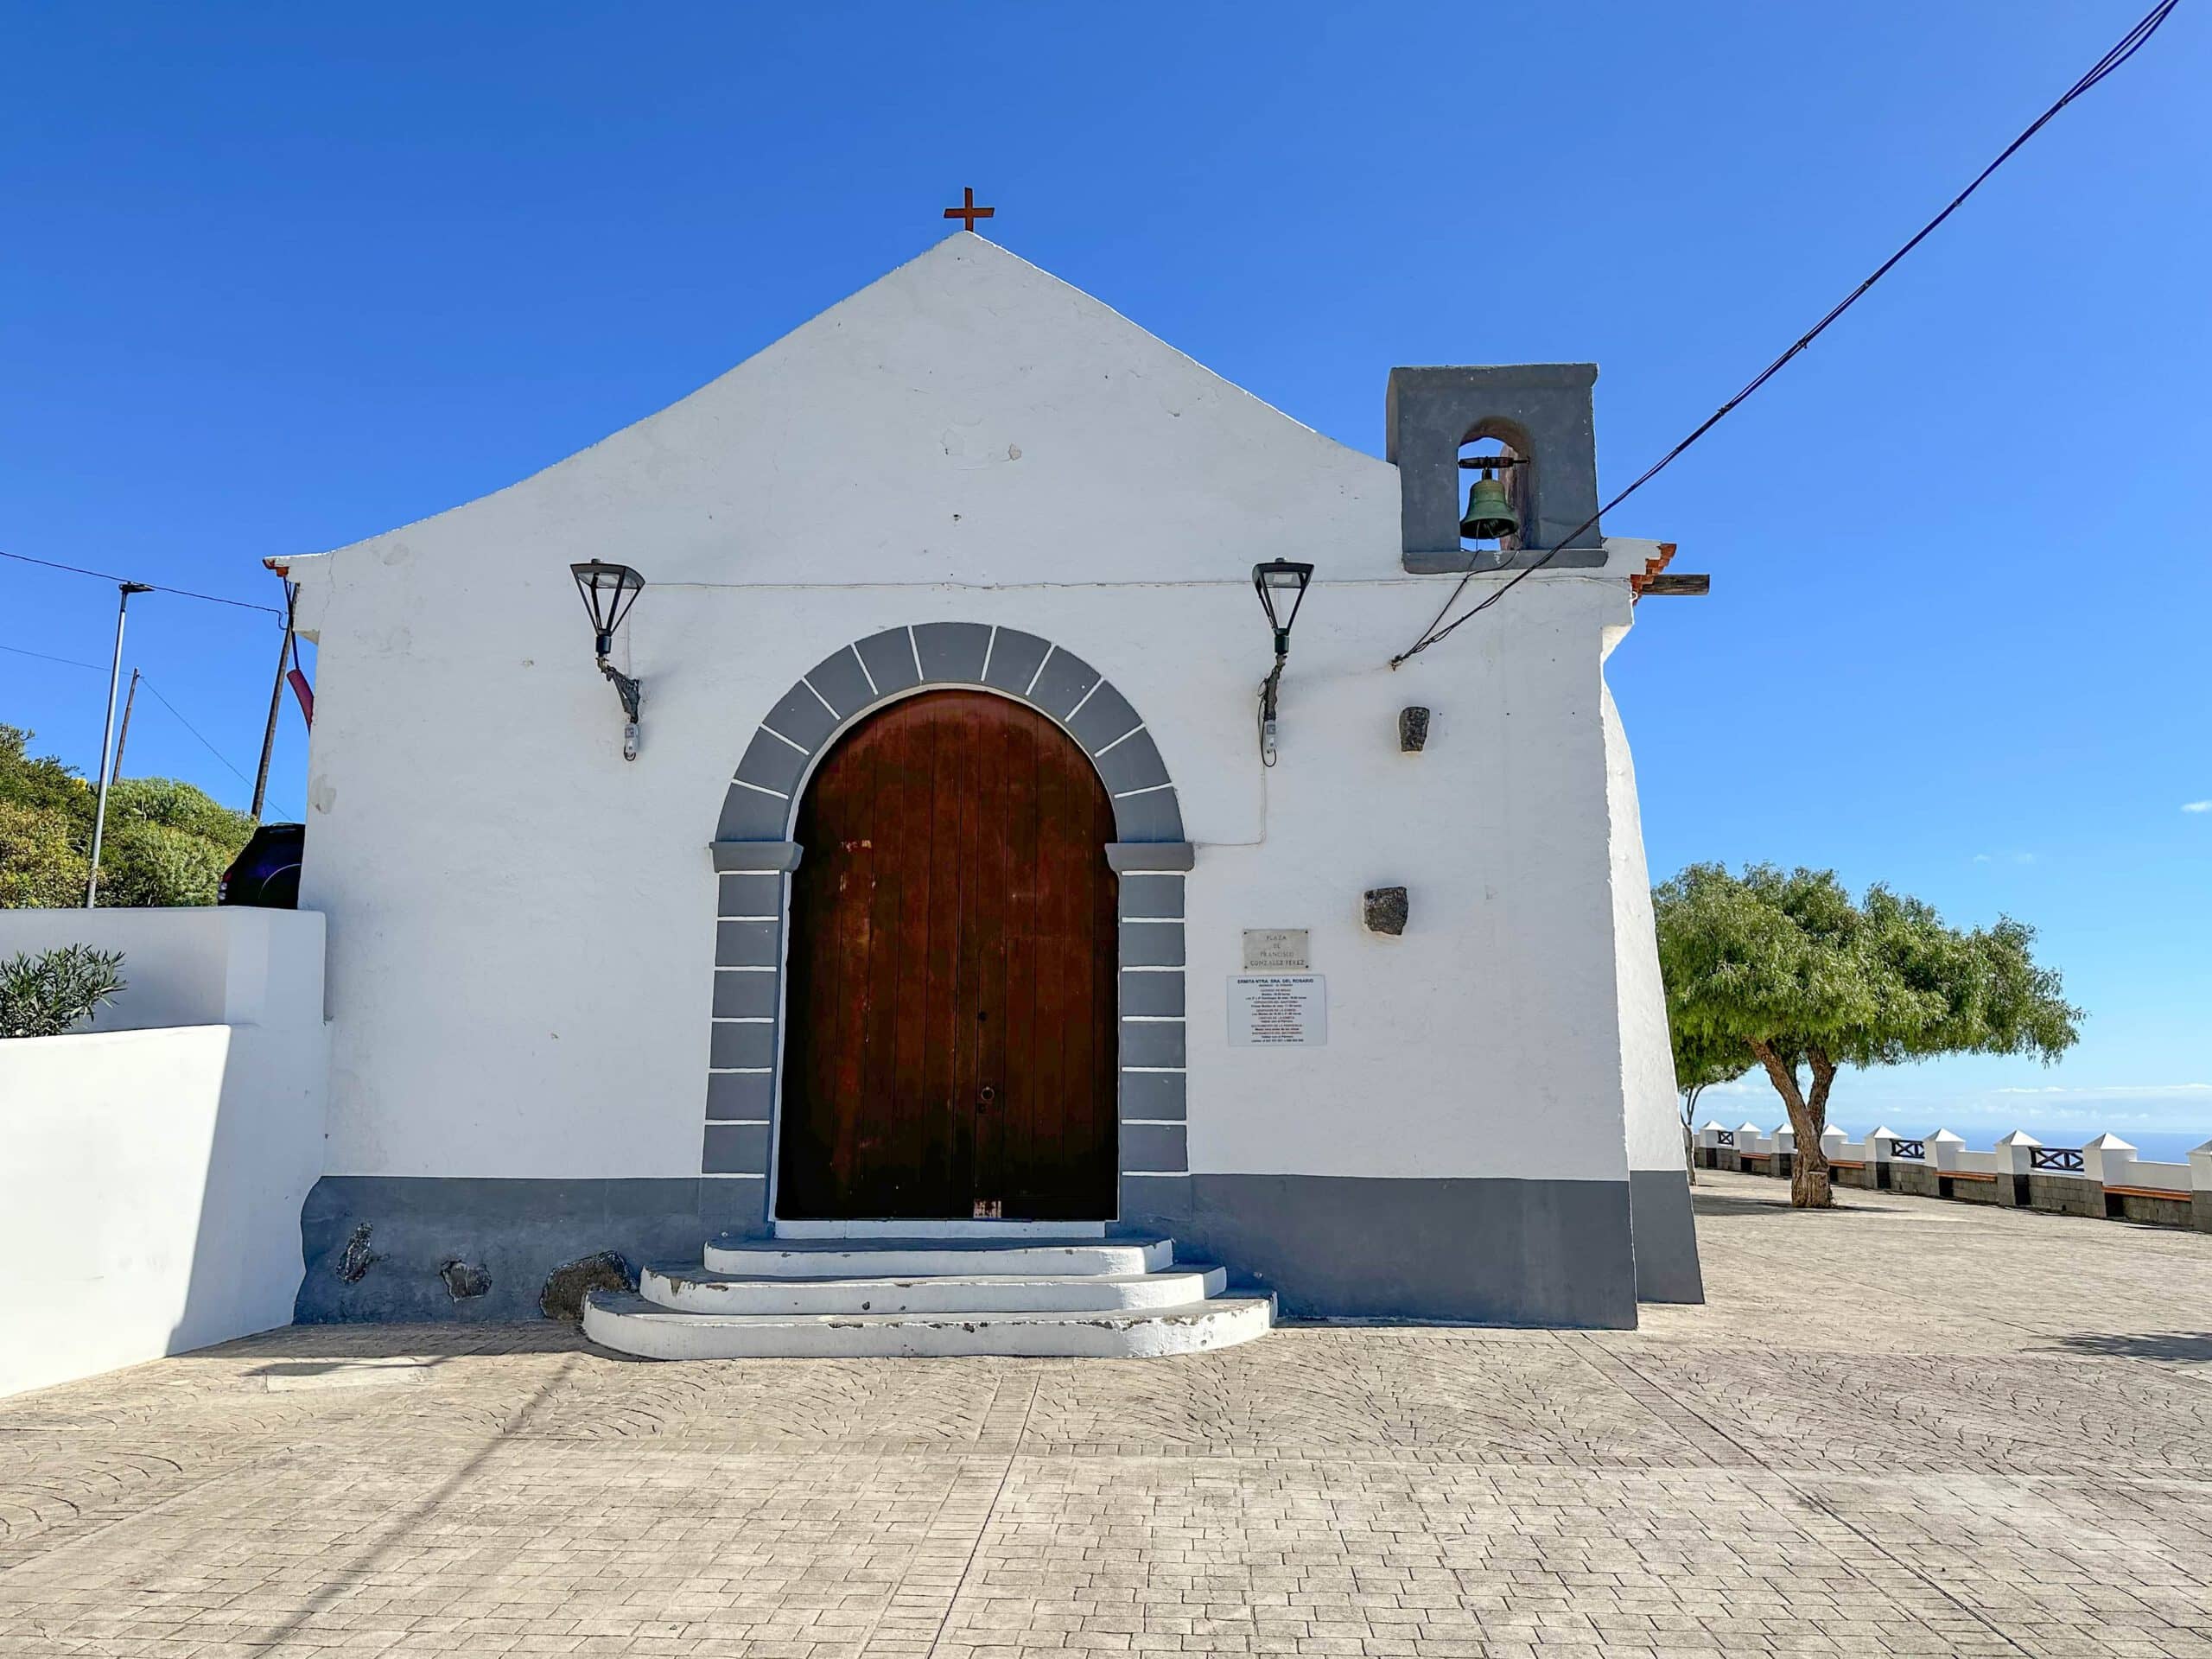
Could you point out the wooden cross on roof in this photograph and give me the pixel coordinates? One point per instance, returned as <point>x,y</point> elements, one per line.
<point>967,211</point>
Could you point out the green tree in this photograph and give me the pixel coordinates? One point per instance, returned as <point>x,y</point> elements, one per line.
<point>1786,970</point>
<point>40,867</point>
<point>166,842</point>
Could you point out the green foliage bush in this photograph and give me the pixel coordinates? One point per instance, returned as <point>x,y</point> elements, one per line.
<point>166,842</point>
<point>45,995</point>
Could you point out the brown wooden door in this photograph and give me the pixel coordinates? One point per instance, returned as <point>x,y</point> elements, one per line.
<point>950,1037</point>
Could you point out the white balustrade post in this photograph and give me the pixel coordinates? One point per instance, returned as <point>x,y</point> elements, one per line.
<point>2200,1186</point>
<point>1943,1149</point>
<point>2016,1161</point>
<point>1880,1145</point>
<point>1708,1144</point>
<point>1784,1144</point>
<point>2106,1160</point>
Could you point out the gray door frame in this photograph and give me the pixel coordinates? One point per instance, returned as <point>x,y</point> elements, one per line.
<point>754,856</point>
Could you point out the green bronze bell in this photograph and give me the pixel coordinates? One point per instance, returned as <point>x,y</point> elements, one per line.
<point>1489,515</point>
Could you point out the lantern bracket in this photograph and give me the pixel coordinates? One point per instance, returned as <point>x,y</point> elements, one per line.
<point>608,592</point>
<point>1277,575</point>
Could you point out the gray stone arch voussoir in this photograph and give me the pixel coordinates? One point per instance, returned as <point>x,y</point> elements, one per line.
<point>754,857</point>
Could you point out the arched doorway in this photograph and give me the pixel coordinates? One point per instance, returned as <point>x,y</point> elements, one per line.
<point>949,1047</point>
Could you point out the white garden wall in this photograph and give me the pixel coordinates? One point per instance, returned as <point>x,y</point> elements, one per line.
<point>152,1168</point>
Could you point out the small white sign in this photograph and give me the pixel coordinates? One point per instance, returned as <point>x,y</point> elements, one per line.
<point>1276,951</point>
<point>1278,1011</point>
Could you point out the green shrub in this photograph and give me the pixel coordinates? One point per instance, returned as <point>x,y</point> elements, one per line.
<point>44,995</point>
<point>167,844</point>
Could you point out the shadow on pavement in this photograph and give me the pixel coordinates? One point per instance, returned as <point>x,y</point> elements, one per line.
<point>2170,1344</point>
<point>1704,1203</point>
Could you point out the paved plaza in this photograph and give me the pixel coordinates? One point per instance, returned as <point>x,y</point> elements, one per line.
<point>1906,1427</point>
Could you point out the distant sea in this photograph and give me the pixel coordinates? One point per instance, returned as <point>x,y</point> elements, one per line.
<point>2158,1146</point>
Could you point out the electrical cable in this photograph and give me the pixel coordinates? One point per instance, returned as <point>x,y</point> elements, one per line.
<point>146,681</point>
<point>68,661</point>
<point>156,587</point>
<point>2129,45</point>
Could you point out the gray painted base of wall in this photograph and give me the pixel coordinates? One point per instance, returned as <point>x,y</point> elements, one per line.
<point>1486,1251</point>
<point>1666,1237</point>
<point>1493,1252</point>
<point>518,1230</point>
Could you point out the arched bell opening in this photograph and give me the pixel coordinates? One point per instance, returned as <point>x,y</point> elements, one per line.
<point>1495,466</point>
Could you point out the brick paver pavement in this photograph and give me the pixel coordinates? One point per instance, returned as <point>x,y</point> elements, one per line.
<point>1907,1427</point>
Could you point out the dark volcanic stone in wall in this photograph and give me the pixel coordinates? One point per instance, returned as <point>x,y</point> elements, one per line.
<point>1386,910</point>
<point>567,1285</point>
<point>357,1258</point>
<point>464,1278</point>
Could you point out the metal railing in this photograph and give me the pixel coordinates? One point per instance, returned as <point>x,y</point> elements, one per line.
<point>2065,1159</point>
<point>1909,1149</point>
<point>1724,1137</point>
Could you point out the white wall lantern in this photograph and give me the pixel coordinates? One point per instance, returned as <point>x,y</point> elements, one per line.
<point>1273,579</point>
<point>609,591</point>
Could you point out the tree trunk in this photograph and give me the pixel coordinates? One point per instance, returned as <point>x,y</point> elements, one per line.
<point>1808,1171</point>
<point>1808,1166</point>
<point>1689,1135</point>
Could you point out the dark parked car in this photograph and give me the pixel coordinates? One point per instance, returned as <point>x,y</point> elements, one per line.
<point>266,872</point>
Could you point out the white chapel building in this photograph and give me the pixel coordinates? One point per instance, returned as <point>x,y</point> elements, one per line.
<point>952,917</point>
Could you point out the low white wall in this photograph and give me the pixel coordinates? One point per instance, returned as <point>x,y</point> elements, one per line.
<point>2172,1178</point>
<point>205,966</point>
<point>151,1169</point>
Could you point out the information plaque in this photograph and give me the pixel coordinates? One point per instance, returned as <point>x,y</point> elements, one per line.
<point>1278,1011</point>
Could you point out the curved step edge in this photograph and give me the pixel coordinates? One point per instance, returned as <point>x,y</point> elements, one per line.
<point>933,1259</point>
<point>691,1291</point>
<point>630,1325</point>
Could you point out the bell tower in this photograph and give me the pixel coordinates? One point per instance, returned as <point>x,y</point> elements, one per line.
<point>1542,413</point>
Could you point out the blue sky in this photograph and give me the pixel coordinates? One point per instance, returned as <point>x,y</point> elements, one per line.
<point>277,278</point>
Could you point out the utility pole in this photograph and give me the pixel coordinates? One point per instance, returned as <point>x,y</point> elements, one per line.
<point>276,703</point>
<point>125,589</point>
<point>122,731</point>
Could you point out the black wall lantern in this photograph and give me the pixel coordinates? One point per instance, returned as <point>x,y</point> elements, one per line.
<point>609,591</point>
<point>1273,580</point>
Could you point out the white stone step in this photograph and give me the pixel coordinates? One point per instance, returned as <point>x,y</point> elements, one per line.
<point>628,1322</point>
<point>929,1258</point>
<point>691,1291</point>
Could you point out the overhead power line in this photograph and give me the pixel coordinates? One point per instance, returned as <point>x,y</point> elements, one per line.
<point>193,729</point>
<point>145,680</point>
<point>2129,45</point>
<point>70,661</point>
<point>181,592</point>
